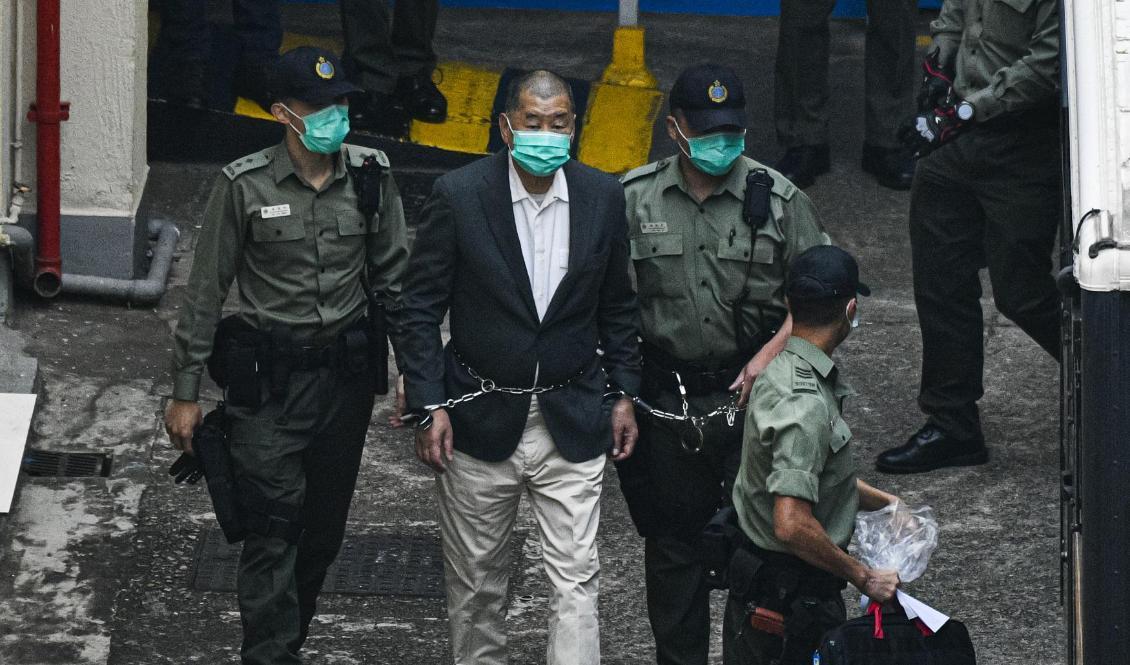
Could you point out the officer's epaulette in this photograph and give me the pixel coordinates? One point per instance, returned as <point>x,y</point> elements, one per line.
<point>804,380</point>
<point>356,154</point>
<point>646,169</point>
<point>244,164</point>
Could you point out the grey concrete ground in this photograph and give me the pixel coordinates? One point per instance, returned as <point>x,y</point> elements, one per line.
<point>96,570</point>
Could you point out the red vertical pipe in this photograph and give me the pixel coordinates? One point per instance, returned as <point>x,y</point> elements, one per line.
<point>47,112</point>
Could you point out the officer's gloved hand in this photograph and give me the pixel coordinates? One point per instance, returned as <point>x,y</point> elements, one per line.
<point>937,83</point>
<point>926,132</point>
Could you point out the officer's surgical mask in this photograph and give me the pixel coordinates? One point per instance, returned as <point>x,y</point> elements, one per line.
<point>716,153</point>
<point>540,153</point>
<point>325,128</point>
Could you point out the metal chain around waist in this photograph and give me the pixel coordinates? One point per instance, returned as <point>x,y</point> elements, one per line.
<point>487,386</point>
<point>691,437</point>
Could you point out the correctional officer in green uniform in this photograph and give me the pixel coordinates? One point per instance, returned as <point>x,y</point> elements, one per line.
<point>285,222</point>
<point>711,291</point>
<point>988,193</point>
<point>796,494</point>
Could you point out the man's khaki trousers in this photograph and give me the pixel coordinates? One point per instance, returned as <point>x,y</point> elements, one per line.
<point>478,505</point>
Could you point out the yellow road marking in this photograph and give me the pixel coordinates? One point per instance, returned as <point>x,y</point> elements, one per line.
<point>470,93</point>
<point>244,106</point>
<point>922,41</point>
<point>618,126</point>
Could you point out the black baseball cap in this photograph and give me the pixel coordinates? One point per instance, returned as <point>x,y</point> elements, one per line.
<point>310,74</point>
<point>710,96</point>
<point>824,271</point>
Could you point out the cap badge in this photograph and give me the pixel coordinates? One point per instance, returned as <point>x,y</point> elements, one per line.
<point>324,68</point>
<point>718,92</point>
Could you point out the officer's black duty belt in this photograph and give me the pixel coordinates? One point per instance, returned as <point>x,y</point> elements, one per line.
<point>699,378</point>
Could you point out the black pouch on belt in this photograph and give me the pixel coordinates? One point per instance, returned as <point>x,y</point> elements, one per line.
<point>718,546</point>
<point>353,351</point>
<point>239,353</point>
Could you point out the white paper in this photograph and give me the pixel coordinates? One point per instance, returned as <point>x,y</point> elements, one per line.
<point>16,410</point>
<point>915,608</point>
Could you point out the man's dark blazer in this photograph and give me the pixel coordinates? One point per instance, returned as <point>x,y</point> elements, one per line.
<point>467,259</point>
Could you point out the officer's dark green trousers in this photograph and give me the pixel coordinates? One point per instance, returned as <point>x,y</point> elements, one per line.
<point>303,450</point>
<point>991,198</point>
<point>672,494</point>
<point>378,50</point>
<point>807,618</point>
<point>801,93</point>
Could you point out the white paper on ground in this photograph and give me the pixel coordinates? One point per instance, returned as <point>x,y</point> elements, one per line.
<point>16,411</point>
<point>915,608</point>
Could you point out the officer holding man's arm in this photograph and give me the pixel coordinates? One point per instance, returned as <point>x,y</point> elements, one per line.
<point>796,494</point>
<point>712,233</point>
<point>294,224</point>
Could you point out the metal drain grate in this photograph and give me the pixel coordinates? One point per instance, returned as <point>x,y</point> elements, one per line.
<point>65,465</point>
<point>369,564</point>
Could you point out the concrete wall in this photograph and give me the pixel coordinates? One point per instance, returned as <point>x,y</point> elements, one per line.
<point>9,113</point>
<point>103,54</point>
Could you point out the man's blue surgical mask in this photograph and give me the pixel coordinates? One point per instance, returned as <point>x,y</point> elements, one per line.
<point>325,128</point>
<point>716,153</point>
<point>540,153</point>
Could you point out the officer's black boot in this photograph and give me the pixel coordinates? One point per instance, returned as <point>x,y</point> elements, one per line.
<point>932,448</point>
<point>378,113</point>
<point>420,96</point>
<point>802,163</point>
<point>894,167</point>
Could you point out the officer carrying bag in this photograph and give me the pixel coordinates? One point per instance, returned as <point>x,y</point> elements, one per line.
<point>902,642</point>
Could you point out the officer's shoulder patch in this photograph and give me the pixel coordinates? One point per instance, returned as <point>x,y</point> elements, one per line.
<point>804,379</point>
<point>356,154</point>
<point>251,162</point>
<point>645,170</point>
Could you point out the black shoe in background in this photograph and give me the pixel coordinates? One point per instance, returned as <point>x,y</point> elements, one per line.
<point>252,80</point>
<point>894,167</point>
<point>420,96</point>
<point>802,163</point>
<point>931,448</point>
<point>378,113</point>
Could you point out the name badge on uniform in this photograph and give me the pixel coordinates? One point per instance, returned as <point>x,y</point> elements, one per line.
<point>653,227</point>
<point>267,212</point>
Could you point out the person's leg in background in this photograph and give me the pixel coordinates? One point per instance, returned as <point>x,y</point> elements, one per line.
<point>370,62</point>
<point>258,25</point>
<point>180,55</point>
<point>889,77</point>
<point>801,89</point>
<point>413,31</point>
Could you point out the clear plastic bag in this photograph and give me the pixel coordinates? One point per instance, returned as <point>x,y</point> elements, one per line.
<point>897,537</point>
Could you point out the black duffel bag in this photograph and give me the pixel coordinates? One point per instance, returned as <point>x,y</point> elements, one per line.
<point>903,643</point>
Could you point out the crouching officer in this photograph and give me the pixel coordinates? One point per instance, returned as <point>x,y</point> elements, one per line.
<point>712,234</point>
<point>300,225</point>
<point>796,493</point>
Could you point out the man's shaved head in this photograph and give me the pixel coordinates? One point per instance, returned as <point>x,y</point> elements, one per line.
<point>542,84</point>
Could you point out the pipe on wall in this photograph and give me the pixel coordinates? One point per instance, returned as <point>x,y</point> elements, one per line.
<point>48,113</point>
<point>146,291</point>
